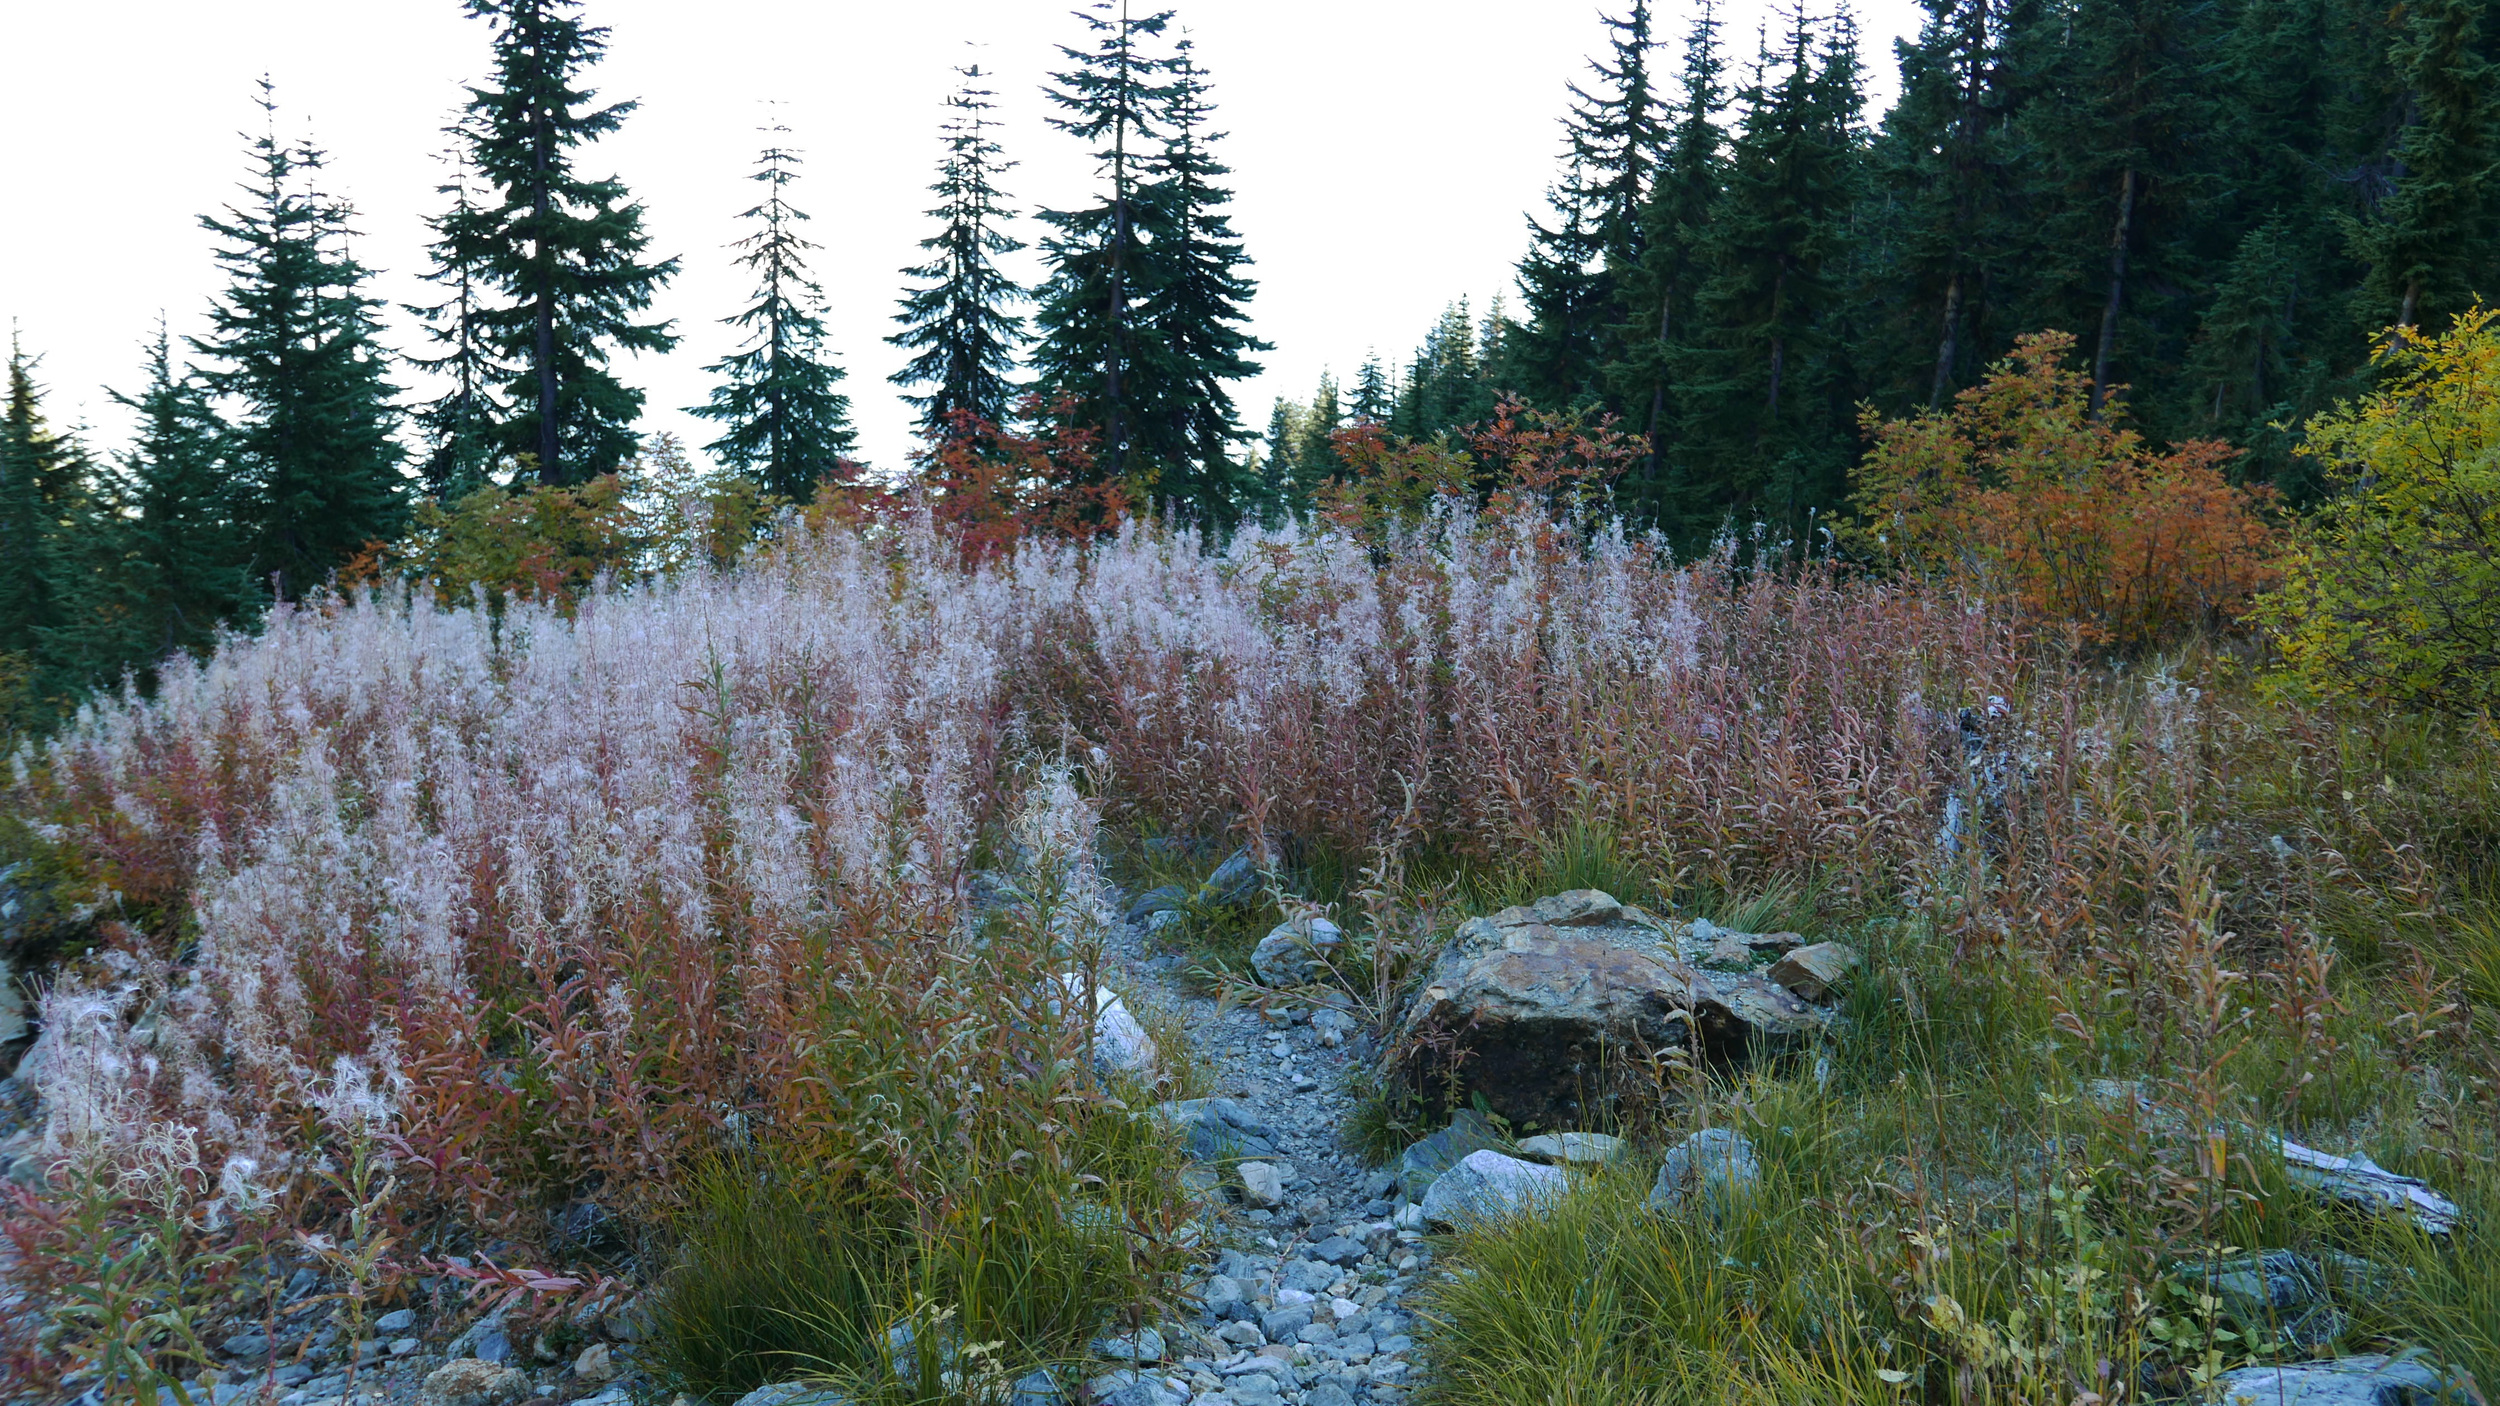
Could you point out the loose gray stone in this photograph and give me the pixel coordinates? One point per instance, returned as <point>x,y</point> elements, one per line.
<point>1129,1387</point>
<point>1489,1186</point>
<point>1262,1185</point>
<point>1297,952</point>
<point>1327,1394</point>
<point>1574,1149</point>
<point>1037,1388</point>
<point>2374,1380</point>
<point>1171,898</point>
<point>1146,1345</point>
<point>1242,1335</point>
<point>1469,1131</point>
<point>1717,1163</point>
<point>1339,1251</point>
<point>1236,881</point>
<point>1310,1276</point>
<point>398,1320</point>
<point>793,1394</point>
<point>1281,1324</point>
<point>466,1381</point>
<point>1217,1129</point>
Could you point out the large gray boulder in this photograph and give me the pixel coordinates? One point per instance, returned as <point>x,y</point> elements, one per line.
<point>2373,1380</point>
<point>1487,1186</point>
<point>1541,1010</point>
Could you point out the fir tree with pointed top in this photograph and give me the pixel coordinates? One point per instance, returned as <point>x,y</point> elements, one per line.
<point>44,509</point>
<point>178,571</point>
<point>1659,295</point>
<point>1195,310</point>
<point>294,350</point>
<point>1375,399</point>
<point>565,252</point>
<point>787,426</point>
<point>1091,351</point>
<point>459,425</point>
<point>1281,489</point>
<point>958,321</point>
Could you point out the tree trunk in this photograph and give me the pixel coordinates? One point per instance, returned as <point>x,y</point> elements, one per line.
<point>1946,348</point>
<point>2117,289</point>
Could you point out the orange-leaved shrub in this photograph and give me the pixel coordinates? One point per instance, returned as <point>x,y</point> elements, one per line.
<point>2021,489</point>
<point>1522,453</point>
<point>993,484</point>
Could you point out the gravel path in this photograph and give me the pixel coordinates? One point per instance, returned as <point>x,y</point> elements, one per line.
<point>1305,1301</point>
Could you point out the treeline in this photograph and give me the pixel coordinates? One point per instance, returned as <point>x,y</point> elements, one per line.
<point>286,443</point>
<point>2223,201</point>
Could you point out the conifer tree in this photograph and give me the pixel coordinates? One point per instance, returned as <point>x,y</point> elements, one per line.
<point>1374,397</point>
<point>294,348</point>
<point>1766,427</point>
<point>2431,237</point>
<point>178,571</point>
<point>459,424</point>
<point>1576,278</point>
<point>958,320</point>
<point>1658,295</point>
<point>42,507</point>
<point>1194,310</point>
<point>1281,487</point>
<point>787,426</point>
<point>564,251</point>
<point>1317,460</point>
<point>1090,352</point>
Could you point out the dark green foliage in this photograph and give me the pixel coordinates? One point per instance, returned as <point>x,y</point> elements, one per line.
<point>46,512</point>
<point>459,424</point>
<point>294,356</point>
<point>1091,353</point>
<point>1195,310</point>
<point>1374,396</point>
<point>2429,241</point>
<point>176,571</point>
<point>563,253</point>
<point>958,321</point>
<point>788,427</point>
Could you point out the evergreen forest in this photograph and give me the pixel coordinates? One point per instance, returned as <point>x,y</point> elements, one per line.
<point>2225,205</point>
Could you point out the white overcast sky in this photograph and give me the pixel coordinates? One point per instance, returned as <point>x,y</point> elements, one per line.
<point>1384,154</point>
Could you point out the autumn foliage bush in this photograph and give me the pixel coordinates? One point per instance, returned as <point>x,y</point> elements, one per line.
<point>2392,592</point>
<point>2021,488</point>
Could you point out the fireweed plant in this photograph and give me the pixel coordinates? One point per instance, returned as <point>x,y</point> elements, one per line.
<point>740,882</point>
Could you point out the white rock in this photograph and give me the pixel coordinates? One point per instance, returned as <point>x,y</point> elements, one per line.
<point>1344,1308</point>
<point>1262,1185</point>
<point>2374,1380</point>
<point>1489,1186</point>
<point>1121,1045</point>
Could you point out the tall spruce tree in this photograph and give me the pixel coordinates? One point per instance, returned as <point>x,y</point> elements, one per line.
<point>787,426</point>
<point>1375,398</point>
<point>1091,353</point>
<point>1577,278</point>
<point>1194,310</point>
<point>1280,485</point>
<point>564,251</point>
<point>1768,429</point>
<point>459,425</point>
<point>44,511</point>
<point>178,570</point>
<point>295,352</point>
<point>958,320</point>
<point>1657,296</point>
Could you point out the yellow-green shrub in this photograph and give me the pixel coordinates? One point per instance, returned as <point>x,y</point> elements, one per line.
<point>2393,592</point>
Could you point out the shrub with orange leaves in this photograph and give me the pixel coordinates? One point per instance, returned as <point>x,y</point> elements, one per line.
<point>991,484</point>
<point>1521,453</point>
<point>2021,489</point>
